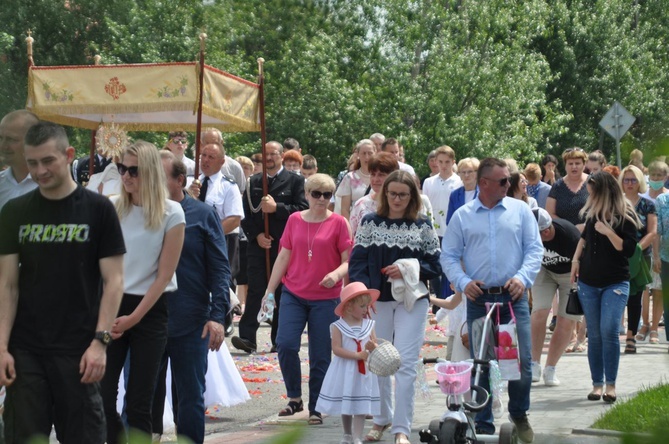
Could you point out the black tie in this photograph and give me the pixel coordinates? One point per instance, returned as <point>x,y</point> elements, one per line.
<point>203,188</point>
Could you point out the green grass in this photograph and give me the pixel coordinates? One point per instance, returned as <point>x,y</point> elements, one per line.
<point>647,412</point>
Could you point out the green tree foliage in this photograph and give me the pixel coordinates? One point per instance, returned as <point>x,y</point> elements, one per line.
<point>514,78</point>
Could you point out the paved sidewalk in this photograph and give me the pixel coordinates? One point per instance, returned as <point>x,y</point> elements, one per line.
<point>555,414</point>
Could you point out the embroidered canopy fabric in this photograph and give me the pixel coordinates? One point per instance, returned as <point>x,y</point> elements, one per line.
<point>143,97</point>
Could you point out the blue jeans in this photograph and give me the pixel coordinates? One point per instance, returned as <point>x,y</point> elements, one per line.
<point>296,313</point>
<point>603,308</point>
<point>519,391</point>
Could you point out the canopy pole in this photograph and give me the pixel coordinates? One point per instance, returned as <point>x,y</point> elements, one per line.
<point>198,129</point>
<point>263,141</point>
<point>91,156</point>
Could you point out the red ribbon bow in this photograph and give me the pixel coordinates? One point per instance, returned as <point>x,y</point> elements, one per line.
<point>361,362</point>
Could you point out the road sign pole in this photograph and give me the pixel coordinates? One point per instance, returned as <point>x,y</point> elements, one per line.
<point>618,135</point>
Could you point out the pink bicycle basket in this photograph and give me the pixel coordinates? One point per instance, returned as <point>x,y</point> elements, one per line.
<point>454,377</point>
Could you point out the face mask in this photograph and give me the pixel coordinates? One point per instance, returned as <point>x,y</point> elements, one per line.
<point>656,184</point>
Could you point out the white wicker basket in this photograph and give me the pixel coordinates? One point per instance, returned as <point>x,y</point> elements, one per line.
<point>384,360</point>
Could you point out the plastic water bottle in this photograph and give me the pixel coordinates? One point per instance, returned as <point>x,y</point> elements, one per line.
<point>266,312</point>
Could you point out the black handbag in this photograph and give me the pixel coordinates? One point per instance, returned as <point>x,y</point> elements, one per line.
<point>573,304</point>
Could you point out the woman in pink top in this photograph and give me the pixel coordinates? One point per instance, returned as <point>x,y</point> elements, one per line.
<point>311,264</point>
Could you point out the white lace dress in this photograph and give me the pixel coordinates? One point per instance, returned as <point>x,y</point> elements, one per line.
<point>345,390</point>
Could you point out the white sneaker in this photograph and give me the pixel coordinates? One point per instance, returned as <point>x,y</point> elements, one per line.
<point>536,372</point>
<point>549,377</point>
<point>347,439</point>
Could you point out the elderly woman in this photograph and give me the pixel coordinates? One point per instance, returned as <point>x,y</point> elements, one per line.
<point>633,184</point>
<point>601,264</point>
<point>312,265</point>
<point>354,185</point>
<point>153,228</point>
<point>397,242</point>
<point>467,169</point>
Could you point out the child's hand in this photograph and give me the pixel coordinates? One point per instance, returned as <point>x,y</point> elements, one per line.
<point>370,345</point>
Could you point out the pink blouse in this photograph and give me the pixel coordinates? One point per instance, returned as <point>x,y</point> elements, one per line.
<point>327,241</point>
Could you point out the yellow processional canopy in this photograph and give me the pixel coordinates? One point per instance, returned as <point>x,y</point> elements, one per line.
<point>143,97</point>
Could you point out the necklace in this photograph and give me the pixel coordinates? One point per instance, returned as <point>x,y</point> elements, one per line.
<point>363,174</point>
<point>310,244</point>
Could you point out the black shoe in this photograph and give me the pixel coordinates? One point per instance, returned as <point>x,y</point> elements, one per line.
<point>273,349</point>
<point>525,432</point>
<point>243,344</point>
<point>485,429</point>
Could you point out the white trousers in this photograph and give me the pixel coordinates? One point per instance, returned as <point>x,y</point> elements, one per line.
<point>406,331</point>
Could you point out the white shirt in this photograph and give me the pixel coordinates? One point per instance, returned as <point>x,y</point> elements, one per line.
<point>190,166</point>
<point>232,169</point>
<point>9,188</point>
<point>406,167</point>
<point>224,196</point>
<point>140,263</point>
<point>439,191</point>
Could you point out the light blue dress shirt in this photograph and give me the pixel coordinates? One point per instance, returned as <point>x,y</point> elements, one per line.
<point>494,244</point>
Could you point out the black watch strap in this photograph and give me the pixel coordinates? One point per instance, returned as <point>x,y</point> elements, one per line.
<point>104,337</point>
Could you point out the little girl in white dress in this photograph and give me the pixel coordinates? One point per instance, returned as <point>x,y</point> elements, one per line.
<point>349,388</point>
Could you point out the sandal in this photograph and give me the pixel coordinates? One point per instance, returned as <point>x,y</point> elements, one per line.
<point>643,333</point>
<point>376,434</point>
<point>401,438</point>
<point>578,347</point>
<point>654,337</point>
<point>315,418</point>
<point>292,408</point>
<point>630,346</point>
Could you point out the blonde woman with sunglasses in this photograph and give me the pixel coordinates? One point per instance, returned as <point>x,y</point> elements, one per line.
<point>153,229</point>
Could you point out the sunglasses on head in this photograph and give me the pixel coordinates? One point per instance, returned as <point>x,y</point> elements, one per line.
<point>502,182</point>
<point>133,171</point>
<point>569,150</point>
<point>317,194</point>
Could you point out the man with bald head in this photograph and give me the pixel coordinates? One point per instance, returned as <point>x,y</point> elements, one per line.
<point>285,196</point>
<point>231,168</point>
<point>15,180</point>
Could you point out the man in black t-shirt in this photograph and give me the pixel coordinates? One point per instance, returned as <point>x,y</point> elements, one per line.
<point>57,308</point>
<point>560,238</point>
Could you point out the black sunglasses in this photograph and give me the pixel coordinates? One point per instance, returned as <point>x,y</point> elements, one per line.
<point>501,182</point>
<point>317,194</point>
<point>132,171</point>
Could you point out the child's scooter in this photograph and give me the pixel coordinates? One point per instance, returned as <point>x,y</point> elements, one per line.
<point>464,400</point>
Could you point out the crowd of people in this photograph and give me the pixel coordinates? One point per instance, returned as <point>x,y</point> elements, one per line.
<point>134,282</point>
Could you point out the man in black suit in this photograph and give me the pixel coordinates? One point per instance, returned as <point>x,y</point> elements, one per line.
<point>286,196</point>
<point>80,167</point>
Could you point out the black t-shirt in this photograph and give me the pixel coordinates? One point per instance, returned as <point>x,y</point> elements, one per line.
<point>601,264</point>
<point>567,203</point>
<point>59,243</point>
<point>559,252</point>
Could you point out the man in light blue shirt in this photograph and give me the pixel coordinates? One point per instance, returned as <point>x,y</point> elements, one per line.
<point>496,239</point>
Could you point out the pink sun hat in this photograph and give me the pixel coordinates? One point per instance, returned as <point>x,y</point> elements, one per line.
<point>352,290</point>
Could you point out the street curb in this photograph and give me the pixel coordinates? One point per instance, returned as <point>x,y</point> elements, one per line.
<point>611,433</point>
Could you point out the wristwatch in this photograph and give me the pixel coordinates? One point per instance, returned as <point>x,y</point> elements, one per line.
<point>104,337</point>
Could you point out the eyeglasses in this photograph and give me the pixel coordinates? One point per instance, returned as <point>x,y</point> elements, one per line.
<point>318,194</point>
<point>630,181</point>
<point>133,171</point>
<point>401,196</point>
<point>524,181</point>
<point>180,141</point>
<point>502,182</point>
